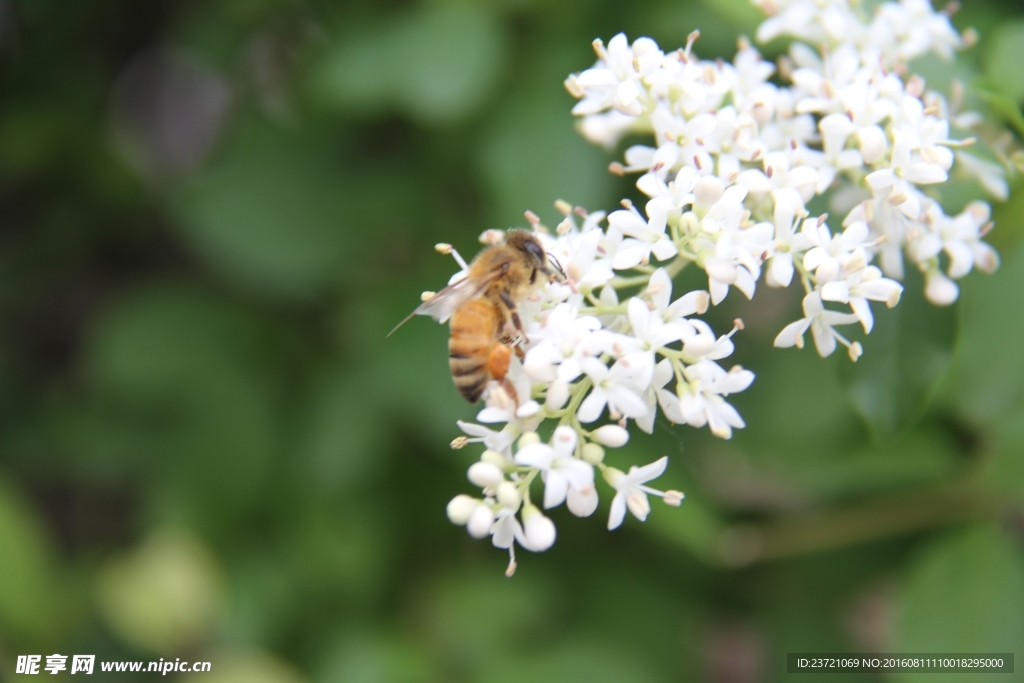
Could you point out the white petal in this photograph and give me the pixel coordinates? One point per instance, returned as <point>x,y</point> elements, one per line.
<point>617,512</point>
<point>791,333</point>
<point>592,406</point>
<point>582,502</point>
<point>555,488</point>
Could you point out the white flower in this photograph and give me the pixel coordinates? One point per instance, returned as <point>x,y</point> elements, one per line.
<point>831,254</point>
<point>564,340</point>
<point>859,287</point>
<point>654,395</point>
<point>650,332</point>
<point>559,469</point>
<point>503,407</point>
<point>631,493</point>
<point>939,289</point>
<point>538,531</point>
<point>700,399</point>
<point>617,387</point>
<point>645,236</point>
<point>821,322</point>
<point>787,241</point>
<point>615,81</point>
<point>500,441</point>
<point>780,171</point>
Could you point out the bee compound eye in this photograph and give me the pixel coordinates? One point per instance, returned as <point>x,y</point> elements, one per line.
<point>535,249</point>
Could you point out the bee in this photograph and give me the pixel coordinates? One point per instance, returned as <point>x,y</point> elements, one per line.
<point>483,304</point>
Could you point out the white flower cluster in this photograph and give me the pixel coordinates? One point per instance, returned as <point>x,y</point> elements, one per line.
<point>735,161</point>
<point>587,354</point>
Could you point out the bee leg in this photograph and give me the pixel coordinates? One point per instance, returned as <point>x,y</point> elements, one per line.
<point>498,360</point>
<point>511,306</point>
<point>497,365</point>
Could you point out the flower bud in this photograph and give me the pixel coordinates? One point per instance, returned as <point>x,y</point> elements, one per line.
<point>612,475</point>
<point>593,454</point>
<point>564,439</point>
<point>529,438</point>
<point>485,474</point>
<point>612,436</point>
<point>508,495</point>
<point>480,522</point>
<point>495,458</point>
<point>940,290</point>
<point>539,530</point>
<point>461,507</point>
<point>558,394</point>
<point>582,502</point>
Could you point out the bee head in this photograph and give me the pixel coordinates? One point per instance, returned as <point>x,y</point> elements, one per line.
<point>526,242</point>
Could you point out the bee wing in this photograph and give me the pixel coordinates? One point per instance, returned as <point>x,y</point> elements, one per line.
<point>442,305</point>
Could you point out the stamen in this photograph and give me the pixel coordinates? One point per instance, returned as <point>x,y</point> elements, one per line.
<point>460,442</point>
<point>673,498</point>
<point>690,40</point>
<point>458,259</point>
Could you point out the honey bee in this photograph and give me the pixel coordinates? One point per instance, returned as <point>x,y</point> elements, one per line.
<point>482,305</point>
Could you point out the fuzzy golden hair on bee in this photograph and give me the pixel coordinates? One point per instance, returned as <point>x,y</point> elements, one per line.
<point>481,304</point>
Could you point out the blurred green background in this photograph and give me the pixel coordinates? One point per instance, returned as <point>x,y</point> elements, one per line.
<point>211,213</point>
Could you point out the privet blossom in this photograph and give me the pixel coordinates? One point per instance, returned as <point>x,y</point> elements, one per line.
<point>734,161</point>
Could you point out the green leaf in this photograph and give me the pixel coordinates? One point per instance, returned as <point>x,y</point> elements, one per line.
<point>1001,104</point>
<point>593,662</point>
<point>271,213</point>
<point>986,382</point>
<point>165,594</point>
<point>533,156</point>
<point>1003,59</point>
<point>905,357</point>
<point>28,590</point>
<point>964,593</point>
<point>195,375</point>
<point>438,64</point>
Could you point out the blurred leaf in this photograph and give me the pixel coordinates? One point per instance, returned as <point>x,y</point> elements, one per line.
<point>905,357</point>
<point>164,595</point>
<point>1004,106</point>
<point>964,593</point>
<point>923,456</point>
<point>28,590</point>
<point>240,666</point>
<point>986,381</point>
<point>593,662</point>
<point>478,620</point>
<point>1003,59</point>
<point>341,445</point>
<point>368,657</point>
<point>741,16</point>
<point>694,526</point>
<point>194,372</point>
<point>438,63</point>
<point>339,551</point>
<point>532,156</point>
<point>271,213</point>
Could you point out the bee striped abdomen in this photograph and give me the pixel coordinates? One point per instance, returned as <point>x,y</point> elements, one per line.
<point>474,330</point>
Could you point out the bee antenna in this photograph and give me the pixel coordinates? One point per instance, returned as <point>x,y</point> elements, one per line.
<point>556,265</point>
